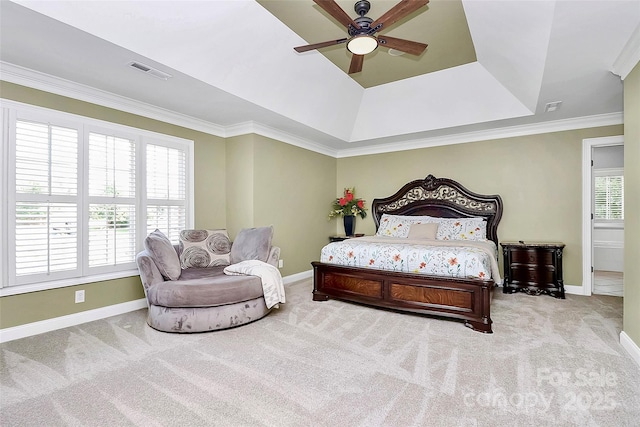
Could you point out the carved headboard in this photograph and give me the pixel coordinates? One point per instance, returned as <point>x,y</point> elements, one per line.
<point>441,197</point>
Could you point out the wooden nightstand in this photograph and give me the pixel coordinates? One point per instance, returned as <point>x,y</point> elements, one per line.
<point>533,267</point>
<point>343,237</point>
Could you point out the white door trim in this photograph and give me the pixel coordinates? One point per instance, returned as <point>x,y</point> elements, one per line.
<point>587,223</point>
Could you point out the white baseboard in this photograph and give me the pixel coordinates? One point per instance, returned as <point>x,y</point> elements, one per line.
<point>576,290</point>
<point>631,347</point>
<point>35,328</point>
<point>297,277</point>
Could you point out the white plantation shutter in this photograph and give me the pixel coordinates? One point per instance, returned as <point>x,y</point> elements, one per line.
<point>112,200</point>
<point>609,197</point>
<point>46,191</point>
<point>83,195</point>
<point>166,190</point>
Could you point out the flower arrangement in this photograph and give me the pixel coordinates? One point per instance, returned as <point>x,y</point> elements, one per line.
<point>348,205</point>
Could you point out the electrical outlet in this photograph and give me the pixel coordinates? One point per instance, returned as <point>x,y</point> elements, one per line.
<point>80,296</point>
<point>280,263</point>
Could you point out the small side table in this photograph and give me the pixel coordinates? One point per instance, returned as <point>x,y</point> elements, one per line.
<point>533,268</point>
<point>343,237</point>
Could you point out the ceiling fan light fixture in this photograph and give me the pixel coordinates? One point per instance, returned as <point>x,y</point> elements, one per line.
<point>362,44</point>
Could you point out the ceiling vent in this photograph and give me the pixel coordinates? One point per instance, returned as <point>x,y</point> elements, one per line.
<point>552,106</point>
<point>149,70</point>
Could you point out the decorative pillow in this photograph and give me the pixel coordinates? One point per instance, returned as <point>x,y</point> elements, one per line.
<point>462,229</point>
<point>204,248</point>
<point>163,254</point>
<point>423,231</point>
<point>252,243</point>
<point>399,225</point>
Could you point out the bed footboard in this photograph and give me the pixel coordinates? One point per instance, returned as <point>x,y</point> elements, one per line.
<point>468,300</point>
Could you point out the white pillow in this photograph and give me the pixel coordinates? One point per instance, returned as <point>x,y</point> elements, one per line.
<point>462,229</point>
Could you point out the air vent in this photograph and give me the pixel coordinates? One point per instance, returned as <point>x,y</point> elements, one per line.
<point>149,70</point>
<point>552,106</point>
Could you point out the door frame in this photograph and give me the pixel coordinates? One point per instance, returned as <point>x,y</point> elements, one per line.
<point>588,145</point>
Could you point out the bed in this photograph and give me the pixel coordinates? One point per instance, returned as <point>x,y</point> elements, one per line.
<point>466,299</point>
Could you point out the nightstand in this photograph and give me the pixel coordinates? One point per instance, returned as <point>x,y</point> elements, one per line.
<point>343,237</point>
<point>533,268</point>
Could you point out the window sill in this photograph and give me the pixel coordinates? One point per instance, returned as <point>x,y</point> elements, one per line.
<point>43,286</point>
<point>609,225</point>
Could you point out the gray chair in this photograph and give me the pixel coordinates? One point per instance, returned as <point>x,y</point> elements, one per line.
<point>199,299</point>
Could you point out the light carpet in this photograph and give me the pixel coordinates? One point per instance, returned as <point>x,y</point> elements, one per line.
<point>549,362</point>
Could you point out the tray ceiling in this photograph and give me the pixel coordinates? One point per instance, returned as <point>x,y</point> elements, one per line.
<point>441,24</point>
<point>490,65</point>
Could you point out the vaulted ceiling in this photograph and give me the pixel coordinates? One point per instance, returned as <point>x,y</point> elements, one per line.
<point>489,65</point>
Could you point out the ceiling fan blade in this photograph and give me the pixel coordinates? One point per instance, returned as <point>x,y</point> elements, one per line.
<point>332,8</point>
<point>413,48</point>
<point>397,12</point>
<point>356,63</point>
<point>300,49</point>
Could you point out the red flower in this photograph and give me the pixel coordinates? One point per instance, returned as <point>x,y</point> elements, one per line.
<point>453,261</point>
<point>351,254</point>
<point>423,264</point>
<point>481,274</point>
<point>371,262</point>
<point>396,257</point>
<point>349,195</point>
<point>457,224</point>
<point>347,204</point>
<point>330,257</point>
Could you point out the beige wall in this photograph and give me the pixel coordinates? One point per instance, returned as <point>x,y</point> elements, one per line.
<point>290,188</point>
<point>538,177</point>
<point>239,188</point>
<point>253,181</point>
<point>209,211</point>
<point>35,306</point>
<point>631,321</point>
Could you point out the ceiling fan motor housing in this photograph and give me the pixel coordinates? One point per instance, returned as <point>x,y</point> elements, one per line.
<point>365,26</point>
<point>362,7</point>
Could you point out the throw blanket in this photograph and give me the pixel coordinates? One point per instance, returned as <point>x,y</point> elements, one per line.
<point>272,284</point>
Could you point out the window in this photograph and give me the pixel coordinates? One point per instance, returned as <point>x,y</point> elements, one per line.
<point>609,195</point>
<point>46,193</point>
<point>165,190</point>
<point>81,195</point>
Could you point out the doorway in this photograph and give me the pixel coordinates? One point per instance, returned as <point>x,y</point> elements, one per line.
<point>603,223</point>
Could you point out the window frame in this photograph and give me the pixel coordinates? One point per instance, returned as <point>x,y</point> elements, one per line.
<point>602,223</point>
<point>12,111</point>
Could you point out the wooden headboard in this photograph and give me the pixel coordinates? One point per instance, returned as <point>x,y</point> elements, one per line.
<point>441,197</point>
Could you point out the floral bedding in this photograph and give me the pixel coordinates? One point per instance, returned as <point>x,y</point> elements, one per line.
<point>449,258</point>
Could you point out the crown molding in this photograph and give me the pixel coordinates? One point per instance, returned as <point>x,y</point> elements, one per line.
<point>30,78</point>
<point>629,57</point>
<point>279,135</point>
<point>48,83</point>
<point>496,133</point>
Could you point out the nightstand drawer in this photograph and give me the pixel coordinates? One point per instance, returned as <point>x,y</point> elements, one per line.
<point>532,256</point>
<point>533,275</point>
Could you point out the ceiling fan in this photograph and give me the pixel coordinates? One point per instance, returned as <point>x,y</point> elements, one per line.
<point>362,30</point>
